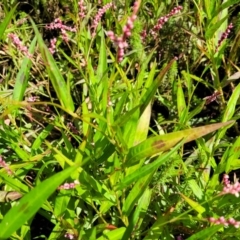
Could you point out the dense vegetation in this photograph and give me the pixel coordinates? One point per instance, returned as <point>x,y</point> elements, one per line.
<point>119,120</point>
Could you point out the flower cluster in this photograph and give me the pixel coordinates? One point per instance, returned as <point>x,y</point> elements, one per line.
<point>162,20</point>
<point>4,165</point>
<point>121,42</point>
<point>82,9</point>
<point>17,42</point>
<point>67,186</point>
<point>224,35</point>
<point>52,47</point>
<point>225,222</point>
<point>230,188</point>
<point>58,24</point>
<point>99,15</point>
<point>69,235</point>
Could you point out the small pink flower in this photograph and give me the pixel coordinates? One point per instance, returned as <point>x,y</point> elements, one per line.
<point>4,165</point>
<point>121,42</point>
<point>82,9</point>
<point>162,20</point>
<point>67,186</point>
<point>99,15</point>
<point>19,45</point>
<point>224,35</point>
<point>225,222</point>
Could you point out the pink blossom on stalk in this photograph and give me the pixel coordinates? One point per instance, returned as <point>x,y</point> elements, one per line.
<point>58,24</point>
<point>67,186</point>
<point>121,42</point>
<point>19,45</point>
<point>69,236</point>
<point>52,47</point>
<point>224,35</point>
<point>82,9</point>
<point>4,165</point>
<point>99,15</point>
<point>230,188</point>
<point>162,20</point>
<point>225,222</point>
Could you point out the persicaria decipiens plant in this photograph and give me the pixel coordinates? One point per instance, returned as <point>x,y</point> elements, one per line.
<point>58,24</point>
<point>162,20</point>
<point>99,15</point>
<point>67,186</point>
<point>225,222</point>
<point>224,35</point>
<point>230,188</point>
<point>121,41</point>
<point>19,45</point>
<point>82,9</point>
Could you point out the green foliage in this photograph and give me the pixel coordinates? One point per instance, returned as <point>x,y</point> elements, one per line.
<point>93,148</point>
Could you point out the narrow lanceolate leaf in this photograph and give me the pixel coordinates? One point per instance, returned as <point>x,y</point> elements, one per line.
<point>31,202</point>
<point>143,125</point>
<point>148,168</point>
<point>148,96</point>
<point>23,75</point>
<point>6,21</point>
<point>54,73</point>
<point>141,208</point>
<point>155,145</point>
<point>196,206</point>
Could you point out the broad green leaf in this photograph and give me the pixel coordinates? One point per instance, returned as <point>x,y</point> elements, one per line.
<point>196,206</point>
<point>155,145</point>
<point>197,191</point>
<point>143,125</point>
<point>23,75</point>
<point>181,104</point>
<point>61,203</point>
<point>57,80</point>
<point>229,112</point>
<point>31,202</point>
<point>102,61</point>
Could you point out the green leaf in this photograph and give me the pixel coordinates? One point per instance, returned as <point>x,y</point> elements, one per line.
<point>149,95</point>
<point>196,206</point>
<point>195,188</point>
<point>155,145</point>
<point>214,27</point>
<point>206,233</point>
<point>23,75</point>
<point>142,206</point>
<point>147,169</point>
<point>116,234</point>
<point>31,202</point>
<point>57,80</point>
<point>135,193</point>
<point>6,21</point>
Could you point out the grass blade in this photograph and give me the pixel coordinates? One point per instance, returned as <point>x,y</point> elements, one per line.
<point>30,203</point>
